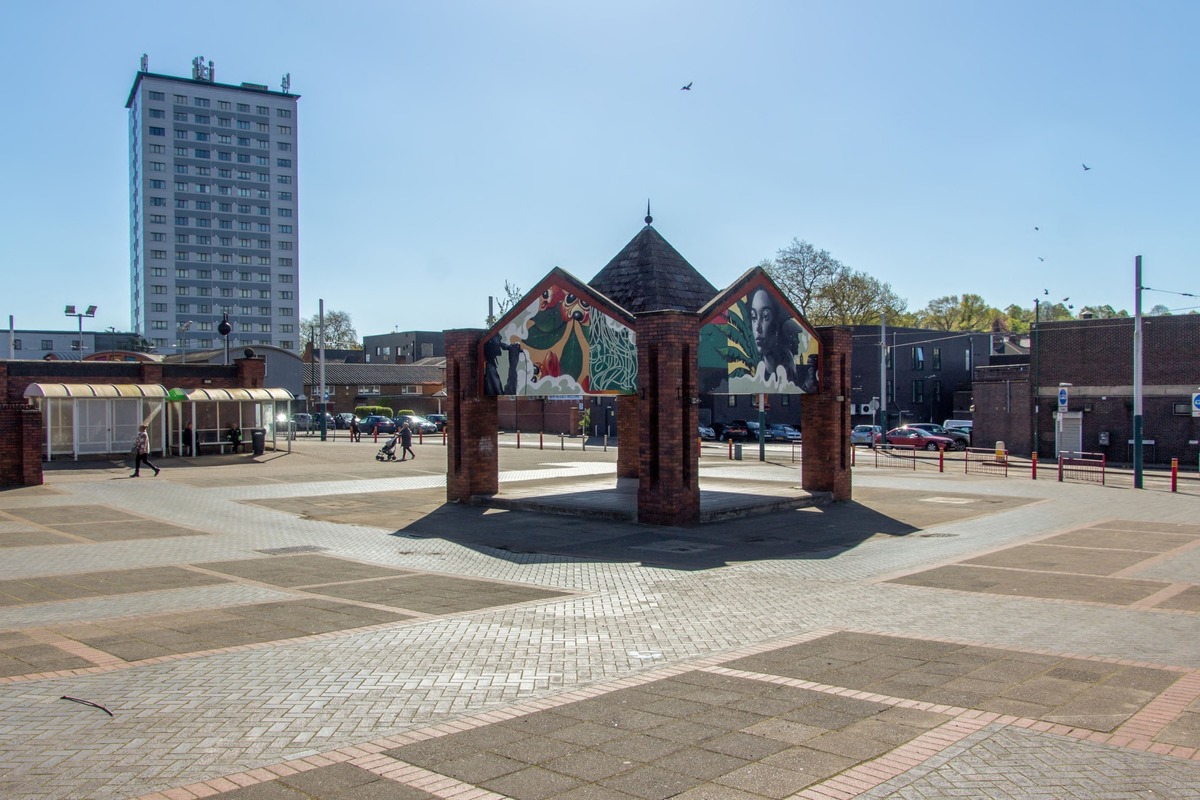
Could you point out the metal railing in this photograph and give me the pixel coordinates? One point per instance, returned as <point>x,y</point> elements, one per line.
<point>1077,466</point>
<point>985,461</point>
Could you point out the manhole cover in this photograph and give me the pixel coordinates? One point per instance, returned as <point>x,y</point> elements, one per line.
<point>283,551</point>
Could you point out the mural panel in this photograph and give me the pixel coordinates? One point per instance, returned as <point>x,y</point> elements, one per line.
<point>757,346</point>
<point>561,345</point>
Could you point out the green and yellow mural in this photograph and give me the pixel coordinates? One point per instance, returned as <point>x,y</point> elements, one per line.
<point>758,344</point>
<point>560,344</point>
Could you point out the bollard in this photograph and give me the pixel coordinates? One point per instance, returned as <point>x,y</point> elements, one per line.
<point>731,449</point>
<point>606,442</point>
<point>518,438</point>
<point>376,434</point>
<point>443,437</point>
<point>1000,450</point>
<point>1174,474</point>
<point>420,437</point>
<point>941,459</point>
<point>562,441</point>
<point>1033,459</point>
<point>853,450</point>
<point>542,440</point>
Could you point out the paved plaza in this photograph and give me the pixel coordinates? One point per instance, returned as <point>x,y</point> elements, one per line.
<point>318,625</point>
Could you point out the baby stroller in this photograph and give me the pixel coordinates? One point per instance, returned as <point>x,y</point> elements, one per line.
<point>388,451</point>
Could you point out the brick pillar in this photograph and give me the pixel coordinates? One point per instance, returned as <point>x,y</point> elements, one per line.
<point>668,462</point>
<point>20,445</point>
<point>4,398</point>
<point>251,372</point>
<point>825,419</point>
<point>628,437</point>
<point>472,458</point>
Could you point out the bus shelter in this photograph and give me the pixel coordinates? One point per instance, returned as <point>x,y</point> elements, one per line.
<point>212,412</point>
<point>98,419</point>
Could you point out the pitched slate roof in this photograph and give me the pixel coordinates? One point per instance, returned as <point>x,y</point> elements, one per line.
<point>650,275</point>
<point>372,374</point>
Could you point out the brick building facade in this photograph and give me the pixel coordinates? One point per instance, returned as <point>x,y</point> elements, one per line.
<point>1015,403</point>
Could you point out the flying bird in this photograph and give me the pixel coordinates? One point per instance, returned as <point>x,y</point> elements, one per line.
<point>688,88</point>
<point>1085,166</point>
<point>1036,228</point>
<point>1041,259</point>
<point>1045,291</point>
<point>1065,299</point>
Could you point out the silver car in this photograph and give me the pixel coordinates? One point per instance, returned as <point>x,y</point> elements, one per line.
<point>865,434</point>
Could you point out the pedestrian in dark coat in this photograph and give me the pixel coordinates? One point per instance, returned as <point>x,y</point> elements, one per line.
<point>406,442</point>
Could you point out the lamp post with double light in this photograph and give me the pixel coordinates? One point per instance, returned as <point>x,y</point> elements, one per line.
<point>71,312</point>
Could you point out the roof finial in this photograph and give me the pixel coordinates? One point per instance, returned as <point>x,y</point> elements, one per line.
<point>649,218</point>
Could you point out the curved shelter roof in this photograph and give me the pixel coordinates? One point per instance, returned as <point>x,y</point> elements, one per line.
<point>650,275</point>
<point>202,395</point>
<point>65,390</point>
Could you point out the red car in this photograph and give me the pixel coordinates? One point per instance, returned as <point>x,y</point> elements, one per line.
<point>915,437</point>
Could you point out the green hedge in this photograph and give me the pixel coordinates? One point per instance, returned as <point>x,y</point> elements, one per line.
<point>366,411</point>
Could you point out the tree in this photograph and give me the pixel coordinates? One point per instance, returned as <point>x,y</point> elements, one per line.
<point>1104,312</point>
<point>802,272</point>
<point>856,298</point>
<point>1159,311</point>
<point>339,331</point>
<point>512,293</point>
<point>827,292</point>
<point>952,313</point>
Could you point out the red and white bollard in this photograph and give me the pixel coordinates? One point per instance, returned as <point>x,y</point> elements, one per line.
<point>1174,474</point>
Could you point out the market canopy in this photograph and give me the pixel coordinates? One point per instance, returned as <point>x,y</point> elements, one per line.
<point>70,390</point>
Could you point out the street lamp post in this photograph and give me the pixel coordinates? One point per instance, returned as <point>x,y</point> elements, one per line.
<point>71,312</point>
<point>182,330</point>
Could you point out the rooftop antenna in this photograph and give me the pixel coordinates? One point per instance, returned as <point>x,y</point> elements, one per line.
<point>287,82</point>
<point>649,218</point>
<point>145,63</point>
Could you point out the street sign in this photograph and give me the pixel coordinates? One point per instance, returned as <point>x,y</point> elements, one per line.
<point>1196,404</point>
<point>1062,398</point>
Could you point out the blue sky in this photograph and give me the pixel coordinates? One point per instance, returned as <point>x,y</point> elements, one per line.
<point>448,147</point>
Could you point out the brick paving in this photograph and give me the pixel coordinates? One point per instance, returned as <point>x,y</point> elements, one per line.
<point>796,654</point>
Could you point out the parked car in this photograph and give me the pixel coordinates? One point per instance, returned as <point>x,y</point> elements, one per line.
<point>915,437</point>
<point>342,421</point>
<point>437,419</point>
<point>707,433</point>
<point>369,423</point>
<point>865,434</point>
<point>967,425</point>
<point>752,432</point>
<point>962,438</point>
<point>417,423</point>
<point>730,431</point>
<point>785,433</point>
<point>304,422</point>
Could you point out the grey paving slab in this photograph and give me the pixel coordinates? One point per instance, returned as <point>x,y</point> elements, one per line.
<point>620,615</point>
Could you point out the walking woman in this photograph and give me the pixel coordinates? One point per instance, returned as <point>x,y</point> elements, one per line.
<point>141,446</point>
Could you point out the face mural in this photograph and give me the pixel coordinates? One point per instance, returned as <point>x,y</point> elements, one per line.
<point>560,345</point>
<point>756,346</point>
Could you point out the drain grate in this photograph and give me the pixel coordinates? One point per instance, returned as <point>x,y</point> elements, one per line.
<point>283,551</point>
